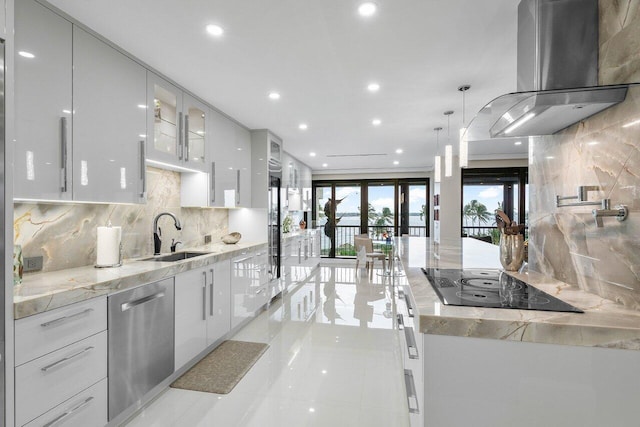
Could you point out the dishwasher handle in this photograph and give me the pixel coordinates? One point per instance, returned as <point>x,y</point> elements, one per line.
<point>129,305</point>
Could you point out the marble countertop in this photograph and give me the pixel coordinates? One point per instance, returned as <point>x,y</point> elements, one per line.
<point>603,323</point>
<point>40,292</point>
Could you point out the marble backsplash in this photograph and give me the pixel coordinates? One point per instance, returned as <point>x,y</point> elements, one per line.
<point>604,151</point>
<point>65,234</point>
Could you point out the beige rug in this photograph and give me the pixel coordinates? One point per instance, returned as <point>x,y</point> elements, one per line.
<point>223,368</point>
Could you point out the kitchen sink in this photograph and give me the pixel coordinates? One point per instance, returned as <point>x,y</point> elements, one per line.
<point>177,256</point>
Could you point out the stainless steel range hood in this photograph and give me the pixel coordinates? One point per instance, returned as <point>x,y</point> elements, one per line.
<point>557,73</point>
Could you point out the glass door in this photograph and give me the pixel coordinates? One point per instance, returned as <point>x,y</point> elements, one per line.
<point>381,209</point>
<point>414,208</point>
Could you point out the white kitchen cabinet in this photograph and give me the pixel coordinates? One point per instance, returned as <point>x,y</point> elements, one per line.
<point>109,123</point>
<point>177,123</point>
<point>86,409</point>
<point>219,316</point>
<point>47,381</point>
<point>216,186</point>
<point>3,19</point>
<point>242,299</point>
<point>43,103</point>
<point>190,314</point>
<point>266,150</point>
<point>243,166</point>
<point>202,309</point>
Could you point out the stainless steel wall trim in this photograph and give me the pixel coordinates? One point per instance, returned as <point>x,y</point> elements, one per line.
<point>66,359</point>
<point>65,318</point>
<point>69,412</point>
<point>129,305</point>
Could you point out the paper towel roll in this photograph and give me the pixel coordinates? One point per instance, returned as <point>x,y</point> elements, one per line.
<point>108,246</point>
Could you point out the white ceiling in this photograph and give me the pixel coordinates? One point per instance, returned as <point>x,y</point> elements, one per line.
<point>320,55</point>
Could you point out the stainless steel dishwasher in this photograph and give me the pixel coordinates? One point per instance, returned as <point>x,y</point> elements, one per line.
<point>141,340</point>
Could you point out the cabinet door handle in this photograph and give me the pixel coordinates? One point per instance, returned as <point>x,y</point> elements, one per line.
<point>238,186</point>
<point>407,301</point>
<point>213,182</point>
<point>66,359</point>
<point>412,347</point>
<point>65,318</point>
<point>211,294</point>
<point>186,137</point>
<point>412,397</point>
<point>69,412</point>
<point>129,305</point>
<point>180,147</point>
<point>204,296</point>
<point>63,154</point>
<point>143,169</point>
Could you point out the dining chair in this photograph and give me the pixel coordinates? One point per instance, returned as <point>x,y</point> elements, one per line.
<point>370,255</point>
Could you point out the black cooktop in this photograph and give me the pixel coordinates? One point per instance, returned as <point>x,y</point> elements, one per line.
<point>491,288</point>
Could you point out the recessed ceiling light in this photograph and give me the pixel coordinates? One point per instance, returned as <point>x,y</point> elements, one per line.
<point>395,162</point>
<point>239,149</point>
<point>399,151</point>
<point>215,30</point>
<point>274,95</point>
<point>312,154</point>
<point>26,54</point>
<point>376,122</point>
<point>324,165</point>
<point>142,135</point>
<point>517,143</point>
<point>367,8</point>
<point>303,126</point>
<point>373,87</point>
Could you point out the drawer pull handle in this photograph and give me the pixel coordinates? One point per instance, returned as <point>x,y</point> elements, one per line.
<point>129,305</point>
<point>410,386</point>
<point>400,322</point>
<point>69,412</point>
<point>259,291</point>
<point>65,318</point>
<point>412,348</point>
<point>409,306</point>
<point>66,359</point>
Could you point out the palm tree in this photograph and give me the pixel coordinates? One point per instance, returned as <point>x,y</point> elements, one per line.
<point>372,215</point>
<point>385,218</point>
<point>482,214</point>
<point>476,211</point>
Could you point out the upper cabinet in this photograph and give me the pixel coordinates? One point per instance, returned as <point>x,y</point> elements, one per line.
<point>266,157</point>
<point>80,120</point>
<point>178,122</point>
<point>227,181</point>
<point>43,87</point>
<point>109,127</point>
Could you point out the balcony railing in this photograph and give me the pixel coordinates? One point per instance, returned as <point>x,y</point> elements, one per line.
<point>345,234</point>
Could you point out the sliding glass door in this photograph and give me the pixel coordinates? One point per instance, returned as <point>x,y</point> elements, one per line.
<point>344,209</point>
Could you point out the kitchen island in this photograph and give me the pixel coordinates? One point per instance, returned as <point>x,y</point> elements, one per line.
<point>507,367</point>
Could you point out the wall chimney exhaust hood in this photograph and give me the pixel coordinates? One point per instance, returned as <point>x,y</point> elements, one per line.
<point>557,73</point>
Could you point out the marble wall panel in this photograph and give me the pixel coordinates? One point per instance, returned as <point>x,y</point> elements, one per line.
<point>604,151</point>
<point>65,234</point>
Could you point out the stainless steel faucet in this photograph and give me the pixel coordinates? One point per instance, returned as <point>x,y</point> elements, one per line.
<point>620,212</point>
<point>157,232</point>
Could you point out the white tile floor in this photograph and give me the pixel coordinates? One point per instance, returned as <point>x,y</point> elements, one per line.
<point>333,360</point>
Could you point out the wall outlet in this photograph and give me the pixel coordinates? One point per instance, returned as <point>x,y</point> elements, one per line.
<point>32,263</point>
<point>207,239</point>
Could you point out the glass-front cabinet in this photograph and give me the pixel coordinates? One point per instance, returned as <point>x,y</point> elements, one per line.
<point>178,125</point>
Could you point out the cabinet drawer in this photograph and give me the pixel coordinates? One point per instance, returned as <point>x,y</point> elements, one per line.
<point>86,409</point>
<point>43,333</point>
<point>54,378</point>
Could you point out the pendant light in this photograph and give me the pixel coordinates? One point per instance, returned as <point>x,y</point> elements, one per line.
<point>464,142</point>
<point>448,149</point>
<point>437,160</point>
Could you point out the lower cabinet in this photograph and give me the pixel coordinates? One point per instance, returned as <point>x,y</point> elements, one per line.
<point>86,409</point>
<point>201,309</point>
<point>249,284</point>
<point>61,366</point>
<point>412,357</point>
